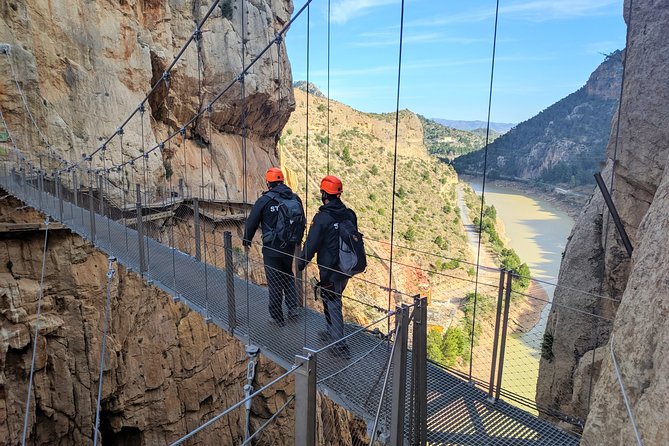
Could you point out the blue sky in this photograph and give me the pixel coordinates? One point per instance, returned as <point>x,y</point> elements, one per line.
<point>546,49</point>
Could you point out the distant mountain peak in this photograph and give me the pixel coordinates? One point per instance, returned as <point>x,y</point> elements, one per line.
<point>313,89</point>
<point>499,127</point>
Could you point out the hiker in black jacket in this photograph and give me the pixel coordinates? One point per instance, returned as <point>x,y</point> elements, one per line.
<point>323,238</point>
<point>277,253</point>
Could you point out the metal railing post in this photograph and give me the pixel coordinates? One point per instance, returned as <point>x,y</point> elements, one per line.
<point>23,179</point>
<point>40,186</point>
<point>101,194</point>
<point>91,205</point>
<point>230,280</point>
<point>59,194</point>
<point>140,229</point>
<point>75,188</point>
<point>196,222</point>
<point>498,316</point>
<point>507,302</point>
<point>418,423</point>
<point>305,400</point>
<point>399,364</point>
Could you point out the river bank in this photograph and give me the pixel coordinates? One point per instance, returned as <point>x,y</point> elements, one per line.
<point>567,201</point>
<point>526,313</point>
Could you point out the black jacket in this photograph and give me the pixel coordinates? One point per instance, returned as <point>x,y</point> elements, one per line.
<point>264,214</point>
<point>323,238</point>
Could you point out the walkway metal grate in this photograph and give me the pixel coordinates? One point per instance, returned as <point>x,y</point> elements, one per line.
<point>458,412</point>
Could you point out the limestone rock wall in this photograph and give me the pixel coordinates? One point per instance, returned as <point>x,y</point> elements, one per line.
<point>595,260</point>
<point>85,66</point>
<point>166,371</point>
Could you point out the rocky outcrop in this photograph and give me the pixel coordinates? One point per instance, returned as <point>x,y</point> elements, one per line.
<point>85,66</point>
<point>634,304</point>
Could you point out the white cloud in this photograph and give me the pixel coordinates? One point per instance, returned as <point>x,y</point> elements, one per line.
<point>532,11</point>
<point>344,10</point>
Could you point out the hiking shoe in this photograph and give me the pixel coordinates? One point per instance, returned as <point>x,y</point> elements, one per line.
<point>277,322</point>
<point>341,351</point>
<point>324,336</point>
<point>293,313</point>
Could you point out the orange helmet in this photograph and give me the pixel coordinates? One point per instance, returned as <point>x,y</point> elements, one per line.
<point>274,174</point>
<point>332,185</point>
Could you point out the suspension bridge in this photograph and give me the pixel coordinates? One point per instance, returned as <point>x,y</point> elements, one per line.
<point>387,382</point>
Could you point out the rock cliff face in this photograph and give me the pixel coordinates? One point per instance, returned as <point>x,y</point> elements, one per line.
<point>85,66</point>
<point>166,371</point>
<point>635,289</point>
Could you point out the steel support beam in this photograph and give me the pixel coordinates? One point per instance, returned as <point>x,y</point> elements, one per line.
<point>498,316</point>
<point>305,400</point>
<point>614,214</point>
<point>399,366</point>
<point>418,424</point>
<point>507,302</point>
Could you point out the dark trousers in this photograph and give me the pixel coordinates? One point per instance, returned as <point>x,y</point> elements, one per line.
<point>332,308</point>
<point>280,282</point>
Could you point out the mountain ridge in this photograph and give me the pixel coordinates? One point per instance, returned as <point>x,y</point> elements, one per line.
<point>563,144</point>
<point>500,127</point>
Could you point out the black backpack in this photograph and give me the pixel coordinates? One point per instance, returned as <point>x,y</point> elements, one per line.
<point>352,257</point>
<point>290,222</point>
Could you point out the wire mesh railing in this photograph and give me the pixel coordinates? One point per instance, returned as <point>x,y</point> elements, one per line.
<point>193,249</point>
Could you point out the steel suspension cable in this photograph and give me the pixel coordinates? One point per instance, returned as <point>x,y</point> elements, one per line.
<point>236,405</point>
<point>166,75</point>
<point>110,276</point>
<point>145,156</point>
<point>26,415</point>
<point>269,420</point>
<point>242,81</point>
<point>387,375</point>
<point>485,167</point>
<point>306,155</point>
<point>328,116</point>
<point>397,122</point>
<point>41,134</point>
<point>624,393</point>
<point>238,78</point>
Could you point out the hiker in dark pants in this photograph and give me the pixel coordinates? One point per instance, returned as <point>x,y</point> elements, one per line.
<point>323,238</point>
<point>278,242</point>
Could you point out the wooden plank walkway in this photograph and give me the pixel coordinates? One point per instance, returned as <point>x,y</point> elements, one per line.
<point>458,413</point>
